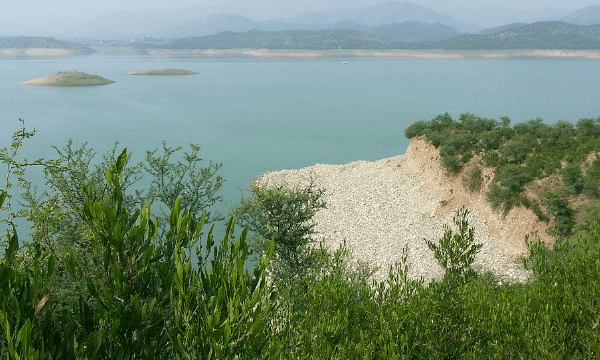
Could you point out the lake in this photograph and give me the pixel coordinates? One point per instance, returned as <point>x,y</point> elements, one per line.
<point>256,115</point>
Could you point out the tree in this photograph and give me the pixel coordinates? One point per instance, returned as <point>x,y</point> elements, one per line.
<point>285,215</point>
<point>456,252</point>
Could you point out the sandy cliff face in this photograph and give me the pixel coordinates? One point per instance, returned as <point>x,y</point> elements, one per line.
<point>379,207</point>
<point>423,159</point>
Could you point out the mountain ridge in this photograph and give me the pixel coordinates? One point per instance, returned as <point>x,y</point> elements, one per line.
<point>542,35</point>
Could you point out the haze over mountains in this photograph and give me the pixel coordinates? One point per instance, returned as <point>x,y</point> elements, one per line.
<point>212,19</point>
<point>387,25</point>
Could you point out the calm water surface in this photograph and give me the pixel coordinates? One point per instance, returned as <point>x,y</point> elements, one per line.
<point>256,115</point>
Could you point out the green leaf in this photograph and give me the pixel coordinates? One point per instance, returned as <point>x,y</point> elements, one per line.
<point>51,265</point>
<point>93,344</point>
<point>13,244</point>
<point>24,336</point>
<point>2,197</point>
<point>121,161</point>
<point>5,325</point>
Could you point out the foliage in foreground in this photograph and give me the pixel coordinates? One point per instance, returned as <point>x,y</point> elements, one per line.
<point>151,296</point>
<point>165,294</point>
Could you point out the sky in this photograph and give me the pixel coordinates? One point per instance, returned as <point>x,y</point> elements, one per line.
<point>40,17</point>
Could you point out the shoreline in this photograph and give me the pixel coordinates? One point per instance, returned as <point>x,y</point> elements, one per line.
<point>312,54</point>
<point>358,53</point>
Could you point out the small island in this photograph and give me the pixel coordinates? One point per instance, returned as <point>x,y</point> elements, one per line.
<point>164,72</point>
<point>69,78</point>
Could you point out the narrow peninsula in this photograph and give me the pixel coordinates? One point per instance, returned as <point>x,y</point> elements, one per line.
<point>69,78</point>
<point>164,72</point>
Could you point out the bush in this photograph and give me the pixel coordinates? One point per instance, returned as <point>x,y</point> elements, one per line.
<point>573,178</point>
<point>564,216</point>
<point>474,180</point>
<point>517,149</point>
<point>456,252</point>
<point>589,127</point>
<point>285,215</point>
<point>513,177</point>
<point>452,163</point>
<point>591,185</point>
<point>416,129</point>
<point>151,297</point>
<point>489,141</point>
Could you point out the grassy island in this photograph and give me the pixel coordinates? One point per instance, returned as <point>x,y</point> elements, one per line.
<point>69,78</point>
<point>164,72</point>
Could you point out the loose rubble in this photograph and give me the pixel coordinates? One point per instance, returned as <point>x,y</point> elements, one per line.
<point>377,208</point>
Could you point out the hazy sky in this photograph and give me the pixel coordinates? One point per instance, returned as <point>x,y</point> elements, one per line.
<point>29,17</point>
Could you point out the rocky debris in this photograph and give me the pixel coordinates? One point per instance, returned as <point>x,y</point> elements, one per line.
<point>377,208</point>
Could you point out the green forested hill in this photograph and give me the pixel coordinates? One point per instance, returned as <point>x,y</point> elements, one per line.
<point>293,39</point>
<point>540,35</point>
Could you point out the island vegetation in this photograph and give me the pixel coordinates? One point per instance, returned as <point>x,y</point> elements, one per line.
<point>113,272</point>
<point>69,78</point>
<point>166,72</point>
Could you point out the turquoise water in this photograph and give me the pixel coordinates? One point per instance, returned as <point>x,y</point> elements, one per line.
<point>256,115</point>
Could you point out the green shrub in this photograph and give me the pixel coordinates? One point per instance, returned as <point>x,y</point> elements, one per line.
<point>564,216</point>
<point>533,205</point>
<point>517,149</point>
<point>489,140</point>
<point>474,180</point>
<point>513,177</point>
<point>573,178</point>
<point>285,215</point>
<point>418,128</point>
<point>456,252</point>
<point>452,163</point>
<point>477,125</point>
<point>589,127</point>
<point>591,184</point>
<point>502,198</point>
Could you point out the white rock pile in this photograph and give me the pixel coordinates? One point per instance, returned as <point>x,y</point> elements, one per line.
<point>378,208</point>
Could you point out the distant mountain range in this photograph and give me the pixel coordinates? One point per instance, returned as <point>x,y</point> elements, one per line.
<point>193,23</point>
<point>587,16</point>
<point>541,35</point>
<point>174,24</point>
<point>348,30</point>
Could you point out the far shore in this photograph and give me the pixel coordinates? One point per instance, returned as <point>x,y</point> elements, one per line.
<point>420,54</point>
<point>164,72</point>
<point>41,52</point>
<point>273,53</point>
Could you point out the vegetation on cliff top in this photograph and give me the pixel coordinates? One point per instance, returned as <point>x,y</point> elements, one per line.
<point>521,154</point>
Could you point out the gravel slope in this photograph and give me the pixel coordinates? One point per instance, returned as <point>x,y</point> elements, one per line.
<point>379,207</point>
